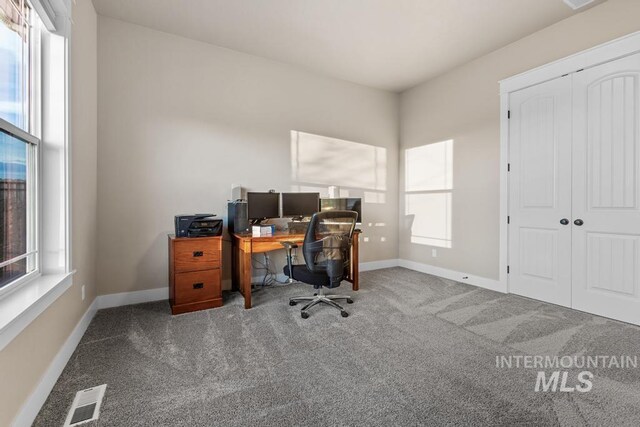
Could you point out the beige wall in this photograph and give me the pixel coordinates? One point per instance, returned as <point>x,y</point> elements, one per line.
<point>180,121</point>
<point>84,128</point>
<point>463,105</point>
<point>27,357</point>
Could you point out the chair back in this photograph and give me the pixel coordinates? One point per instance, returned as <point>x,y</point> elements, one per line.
<point>327,243</point>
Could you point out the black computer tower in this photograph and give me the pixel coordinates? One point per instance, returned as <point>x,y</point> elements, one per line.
<point>238,217</point>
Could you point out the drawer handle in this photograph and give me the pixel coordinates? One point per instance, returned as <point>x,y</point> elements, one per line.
<point>197,253</point>
<point>198,285</point>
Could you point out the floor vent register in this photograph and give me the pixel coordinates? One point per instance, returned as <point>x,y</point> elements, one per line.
<point>86,406</point>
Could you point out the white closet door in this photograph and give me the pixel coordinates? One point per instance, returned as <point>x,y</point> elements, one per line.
<point>606,190</point>
<point>540,192</point>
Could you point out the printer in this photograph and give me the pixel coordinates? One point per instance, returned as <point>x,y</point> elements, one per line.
<point>198,225</point>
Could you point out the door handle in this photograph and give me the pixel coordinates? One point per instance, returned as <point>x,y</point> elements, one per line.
<point>578,222</point>
<point>564,221</point>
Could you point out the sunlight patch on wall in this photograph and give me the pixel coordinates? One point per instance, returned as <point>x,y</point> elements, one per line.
<point>374,197</point>
<point>428,193</point>
<point>298,188</point>
<point>431,218</point>
<point>317,159</point>
<point>430,167</point>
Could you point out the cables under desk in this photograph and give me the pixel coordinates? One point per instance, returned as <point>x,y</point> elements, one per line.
<point>270,274</point>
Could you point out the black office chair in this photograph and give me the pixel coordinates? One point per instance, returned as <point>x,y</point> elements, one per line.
<point>327,256</point>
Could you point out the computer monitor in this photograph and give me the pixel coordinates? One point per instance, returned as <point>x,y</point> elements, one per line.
<point>343,204</point>
<point>263,205</point>
<point>300,205</point>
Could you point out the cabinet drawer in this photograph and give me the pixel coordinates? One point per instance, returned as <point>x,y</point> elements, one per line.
<point>195,254</point>
<point>197,286</point>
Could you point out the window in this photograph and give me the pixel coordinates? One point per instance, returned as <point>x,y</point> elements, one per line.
<point>18,148</point>
<point>428,193</point>
<point>15,62</point>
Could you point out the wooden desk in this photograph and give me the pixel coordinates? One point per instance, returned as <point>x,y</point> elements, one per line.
<point>245,245</point>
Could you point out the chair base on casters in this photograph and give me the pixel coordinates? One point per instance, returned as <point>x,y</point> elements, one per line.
<point>321,298</point>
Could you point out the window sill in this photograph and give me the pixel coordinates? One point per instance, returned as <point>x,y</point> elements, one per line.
<point>22,306</point>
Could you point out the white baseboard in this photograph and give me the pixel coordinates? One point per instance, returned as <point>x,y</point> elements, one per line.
<point>135,297</point>
<point>482,282</point>
<point>364,266</point>
<point>377,265</point>
<point>281,277</point>
<point>34,403</point>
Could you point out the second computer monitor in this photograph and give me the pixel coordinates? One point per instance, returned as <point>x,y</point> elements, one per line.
<point>300,205</point>
<point>263,205</point>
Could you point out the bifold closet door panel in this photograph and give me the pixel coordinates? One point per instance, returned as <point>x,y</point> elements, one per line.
<point>540,192</point>
<point>606,190</point>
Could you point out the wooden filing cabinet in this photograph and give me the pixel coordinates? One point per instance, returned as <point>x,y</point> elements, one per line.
<point>195,273</point>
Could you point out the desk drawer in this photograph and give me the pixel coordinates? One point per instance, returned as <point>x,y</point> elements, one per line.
<point>196,286</point>
<point>196,254</point>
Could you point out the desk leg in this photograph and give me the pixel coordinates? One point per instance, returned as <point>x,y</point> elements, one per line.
<point>355,263</point>
<point>245,276</point>
<point>235,265</point>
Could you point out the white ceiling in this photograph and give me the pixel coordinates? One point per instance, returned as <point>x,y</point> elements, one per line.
<point>387,44</point>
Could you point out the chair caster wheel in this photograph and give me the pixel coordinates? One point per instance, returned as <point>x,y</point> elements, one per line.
<point>315,295</point>
<point>304,315</point>
<point>344,314</point>
<point>349,301</point>
<point>292,303</point>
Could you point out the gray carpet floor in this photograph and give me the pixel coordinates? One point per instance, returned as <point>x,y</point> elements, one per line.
<point>416,350</point>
